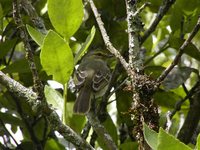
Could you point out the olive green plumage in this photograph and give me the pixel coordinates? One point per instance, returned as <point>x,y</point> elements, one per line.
<point>91,80</point>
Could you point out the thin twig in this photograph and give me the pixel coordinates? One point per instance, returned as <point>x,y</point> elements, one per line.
<point>180,53</point>
<point>161,12</point>
<point>38,86</point>
<point>101,131</point>
<point>37,21</point>
<point>86,130</point>
<point>156,54</point>
<point>6,130</point>
<point>191,121</point>
<point>105,37</point>
<point>26,122</point>
<point>179,103</point>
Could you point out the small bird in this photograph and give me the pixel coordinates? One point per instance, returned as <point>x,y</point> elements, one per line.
<point>91,80</point>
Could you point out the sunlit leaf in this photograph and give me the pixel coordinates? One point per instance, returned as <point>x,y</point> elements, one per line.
<point>37,36</point>
<point>85,46</point>
<point>53,97</point>
<point>151,137</point>
<point>56,57</point>
<point>52,144</point>
<point>169,142</point>
<point>65,15</point>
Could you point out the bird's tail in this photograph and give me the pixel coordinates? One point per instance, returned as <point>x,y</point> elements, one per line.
<point>83,101</point>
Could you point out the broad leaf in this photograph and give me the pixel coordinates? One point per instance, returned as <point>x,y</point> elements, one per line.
<point>10,119</point>
<point>177,77</point>
<point>85,45</point>
<point>151,137</point>
<point>56,57</point>
<point>52,144</point>
<point>37,36</point>
<point>6,46</point>
<point>198,142</point>
<point>53,97</point>
<point>190,50</point>
<point>41,128</point>
<point>166,99</point>
<point>76,122</point>
<point>16,67</point>
<point>169,142</point>
<point>65,15</point>
<point>111,128</point>
<point>129,145</point>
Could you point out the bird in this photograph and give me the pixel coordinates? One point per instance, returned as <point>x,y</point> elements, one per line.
<point>91,80</point>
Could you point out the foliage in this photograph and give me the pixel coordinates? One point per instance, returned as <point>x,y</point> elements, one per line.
<point>71,32</point>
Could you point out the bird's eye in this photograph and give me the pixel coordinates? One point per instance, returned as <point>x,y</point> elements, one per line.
<point>98,74</point>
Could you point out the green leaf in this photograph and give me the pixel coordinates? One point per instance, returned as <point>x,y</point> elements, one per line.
<point>85,46</point>
<point>27,145</point>
<point>53,97</point>
<point>56,57</point>
<point>52,144</point>
<point>123,102</point>
<point>16,67</point>
<point>190,50</point>
<point>10,119</point>
<point>166,99</point>
<point>111,128</point>
<point>129,146</point>
<point>65,15</point>
<point>76,122</point>
<point>37,36</point>
<point>151,137</point>
<point>198,142</point>
<point>41,128</point>
<point>177,77</point>
<point>6,46</point>
<point>154,71</point>
<point>169,142</point>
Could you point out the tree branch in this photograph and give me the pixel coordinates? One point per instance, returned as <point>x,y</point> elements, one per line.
<point>101,131</point>
<point>134,27</point>
<point>105,37</point>
<point>31,98</point>
<point>37,21</point>
<point>38,86</point>
<point>161,12</point>
<point>180,53</point>
<point>192,119</point>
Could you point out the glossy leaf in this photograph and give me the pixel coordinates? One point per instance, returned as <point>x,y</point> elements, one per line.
<point>56,57</point>
<point>37,36</point>
<point>65,15</point>
<point>198,142</point>
<point>53,97</point>
<point>151,137</point>
<point>169,142</point>
<point>76,122</point>
<point>52,144</point>
<point>85,45</point>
